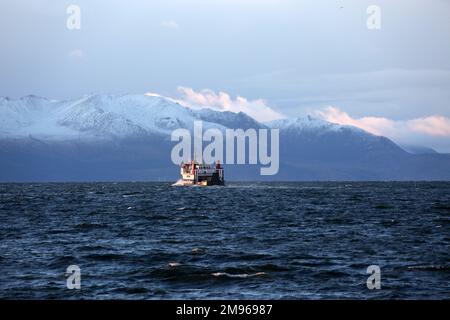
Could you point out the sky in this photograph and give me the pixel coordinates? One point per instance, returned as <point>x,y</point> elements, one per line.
<point>271,59</point>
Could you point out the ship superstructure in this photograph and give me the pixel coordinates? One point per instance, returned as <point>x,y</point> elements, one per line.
<point>202,174</point>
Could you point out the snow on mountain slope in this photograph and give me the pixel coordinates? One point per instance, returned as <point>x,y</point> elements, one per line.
<point>124,115</point>
<point>94,116</point>
<point>132,115</point>
<point>308,124</point>
<point>31,115</point>
<point>229,119</point>
<point>318,127</point>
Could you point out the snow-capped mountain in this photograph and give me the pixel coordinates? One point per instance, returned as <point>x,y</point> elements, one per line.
<point>314,129</point>
<point>305,124</point>
<point>94,117</point>
<point>229,119</point>
<point>126,137</point>
<point>119,116</point>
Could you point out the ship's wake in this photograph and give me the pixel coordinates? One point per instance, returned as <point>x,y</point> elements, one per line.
<point>178,183</point>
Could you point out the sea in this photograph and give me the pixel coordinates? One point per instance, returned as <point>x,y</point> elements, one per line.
<point>247,240</point>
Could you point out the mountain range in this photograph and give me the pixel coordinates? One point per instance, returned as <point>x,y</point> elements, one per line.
<point>127,138</point>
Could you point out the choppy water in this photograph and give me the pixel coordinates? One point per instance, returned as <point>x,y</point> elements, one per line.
<point>245,240</point>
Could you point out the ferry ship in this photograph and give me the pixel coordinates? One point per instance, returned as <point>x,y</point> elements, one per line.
<point>200,174</point>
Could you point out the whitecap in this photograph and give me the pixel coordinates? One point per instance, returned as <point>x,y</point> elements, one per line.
<point>173,264</point>
<point>241,275</point>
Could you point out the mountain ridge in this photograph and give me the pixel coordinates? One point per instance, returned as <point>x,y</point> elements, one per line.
<point>162,114</point>
<point>127,137</point>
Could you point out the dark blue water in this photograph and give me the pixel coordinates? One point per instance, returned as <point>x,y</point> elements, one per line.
<point>242,241</point>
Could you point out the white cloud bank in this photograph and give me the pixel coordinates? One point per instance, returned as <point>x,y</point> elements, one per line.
<point>412,132</point>
<point>257,109</point>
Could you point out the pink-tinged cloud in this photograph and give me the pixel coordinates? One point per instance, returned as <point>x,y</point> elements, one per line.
<point>257,109</point>
<point>375,125</point>
<point>397,130</point>
<point>434,125</point>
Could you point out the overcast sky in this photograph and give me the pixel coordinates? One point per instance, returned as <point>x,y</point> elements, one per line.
<point>289,57</point>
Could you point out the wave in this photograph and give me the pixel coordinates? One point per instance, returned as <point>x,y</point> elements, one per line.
<point>430,267</point>
<point>89,225</point>
<point>241,275</point>
<point>105,256</point>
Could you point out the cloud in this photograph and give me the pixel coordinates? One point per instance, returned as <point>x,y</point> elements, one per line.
<point>434,125</point>
<point>393,92</point>
<point>170,24</point>
<point>375,125</point>
<point>76,54</point>
<point>222,101</point>
<point>430,130</point>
